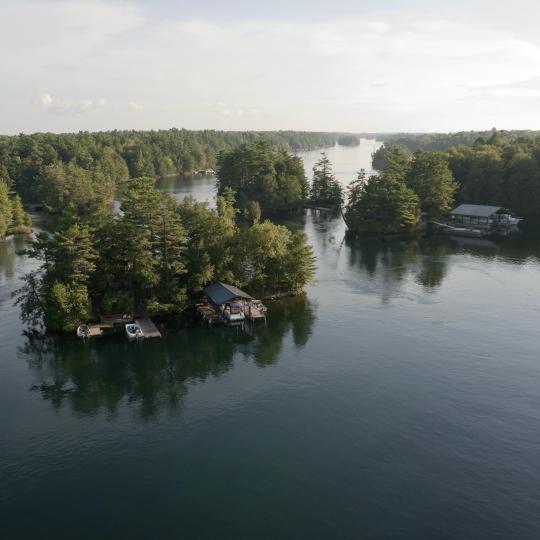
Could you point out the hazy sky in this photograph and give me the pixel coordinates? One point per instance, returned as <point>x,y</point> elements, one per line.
<point>275,64</point>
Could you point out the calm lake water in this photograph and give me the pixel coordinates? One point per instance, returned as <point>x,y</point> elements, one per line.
<point>399,398</point>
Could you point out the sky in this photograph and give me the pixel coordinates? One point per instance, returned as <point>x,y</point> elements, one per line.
<point>398,65</point>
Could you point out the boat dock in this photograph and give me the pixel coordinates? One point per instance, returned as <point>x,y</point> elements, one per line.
<point>148,328</point>
<point>96,329</point>
<point>208,313</point>
<point>254,313</point>
<point>120,318</point>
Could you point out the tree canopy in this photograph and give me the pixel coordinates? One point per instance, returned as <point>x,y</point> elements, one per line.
<point>274,180</point>
<point>53,168</point>
<point>381,204</point>
<point>325,187</point>
<point>431,179</point>
<point>13,218</point>
<point>155,256</point>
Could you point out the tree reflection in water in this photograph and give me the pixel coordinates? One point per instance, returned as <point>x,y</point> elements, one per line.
<point>425,260</point>
<point>106,373</point>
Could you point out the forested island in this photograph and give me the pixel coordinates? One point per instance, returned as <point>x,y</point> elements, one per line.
<point>154,257</point>
<point>348,140</point>
<point>270,182</point>
<point>501,169</point>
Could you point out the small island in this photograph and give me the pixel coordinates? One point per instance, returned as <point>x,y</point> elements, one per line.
<point>348,140</point>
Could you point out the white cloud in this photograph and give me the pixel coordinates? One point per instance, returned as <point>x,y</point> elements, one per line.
<point>61,107</point>
<point>45,100</point>
<point>401,70</point>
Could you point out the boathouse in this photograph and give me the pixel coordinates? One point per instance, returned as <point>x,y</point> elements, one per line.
<point>478,216</point>
<point>229,304</point>
<point>221,293</point>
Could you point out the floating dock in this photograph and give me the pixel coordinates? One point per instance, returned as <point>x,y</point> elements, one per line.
<point>148,328</point>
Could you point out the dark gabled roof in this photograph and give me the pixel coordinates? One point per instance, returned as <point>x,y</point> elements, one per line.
<point>478,210</point>
<point>219,293</point>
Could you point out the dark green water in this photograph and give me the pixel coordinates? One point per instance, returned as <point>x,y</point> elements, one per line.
<point>399,398</point>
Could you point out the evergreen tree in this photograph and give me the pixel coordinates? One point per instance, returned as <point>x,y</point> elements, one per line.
<point>21,222</point>
<point>382,205</point>
<point>276,180</point>
<point>5,209</point>
<point>431,179</point>
<point>325,188</point>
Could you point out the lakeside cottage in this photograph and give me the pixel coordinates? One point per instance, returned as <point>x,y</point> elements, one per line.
<point>229,304</point>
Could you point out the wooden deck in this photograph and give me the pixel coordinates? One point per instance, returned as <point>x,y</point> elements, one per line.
<point>95,329</point>
<point>120,318</point>
<point>208,313</point>
<point>148,328</point>
<point>254,314</point>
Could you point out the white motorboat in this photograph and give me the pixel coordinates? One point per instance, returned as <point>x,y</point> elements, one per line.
<point>234,313</point>
<point>83,331</point>
<point>133,331</point>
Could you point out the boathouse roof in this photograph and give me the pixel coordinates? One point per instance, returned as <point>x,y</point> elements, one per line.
<point>219,293</point>
<point>478,210</point>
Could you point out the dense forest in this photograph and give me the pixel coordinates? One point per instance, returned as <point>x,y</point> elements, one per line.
<point>445,141</point>
<point>393,201</point>
<point>13,218</point>
<point>154,257</point>
<point>269,182</point>
<point>265,180</point>
<point>55,168</point>
<point>499,170</point>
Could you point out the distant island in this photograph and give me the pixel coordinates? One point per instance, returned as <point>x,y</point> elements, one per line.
<point>348,140</point>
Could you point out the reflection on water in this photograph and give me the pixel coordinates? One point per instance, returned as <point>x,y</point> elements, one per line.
<point>104,373</point>
<point>202,188</point>
<point>410,366</point>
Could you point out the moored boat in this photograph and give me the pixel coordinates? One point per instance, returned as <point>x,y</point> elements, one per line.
<point>234,313</point>
<point>83,331</point>
<point>133,331</point>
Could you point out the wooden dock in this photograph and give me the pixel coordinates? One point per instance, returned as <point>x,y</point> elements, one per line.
<point>120,318</point>
<point>208,313</point>
<point>97,329</point>
<point>253,313</point>
<point>148,328</point>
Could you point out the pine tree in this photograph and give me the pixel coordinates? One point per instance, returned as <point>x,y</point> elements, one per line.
<point>21,222</point>
<point>325,188</point>
<point>5,209</point>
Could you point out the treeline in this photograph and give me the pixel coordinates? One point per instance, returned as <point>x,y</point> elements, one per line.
<point>13,218</point>
<point>42,166</point>
<point>498,171</point>
<point>154,257</point>
<point>445,141</point>
<point>269,182</point>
